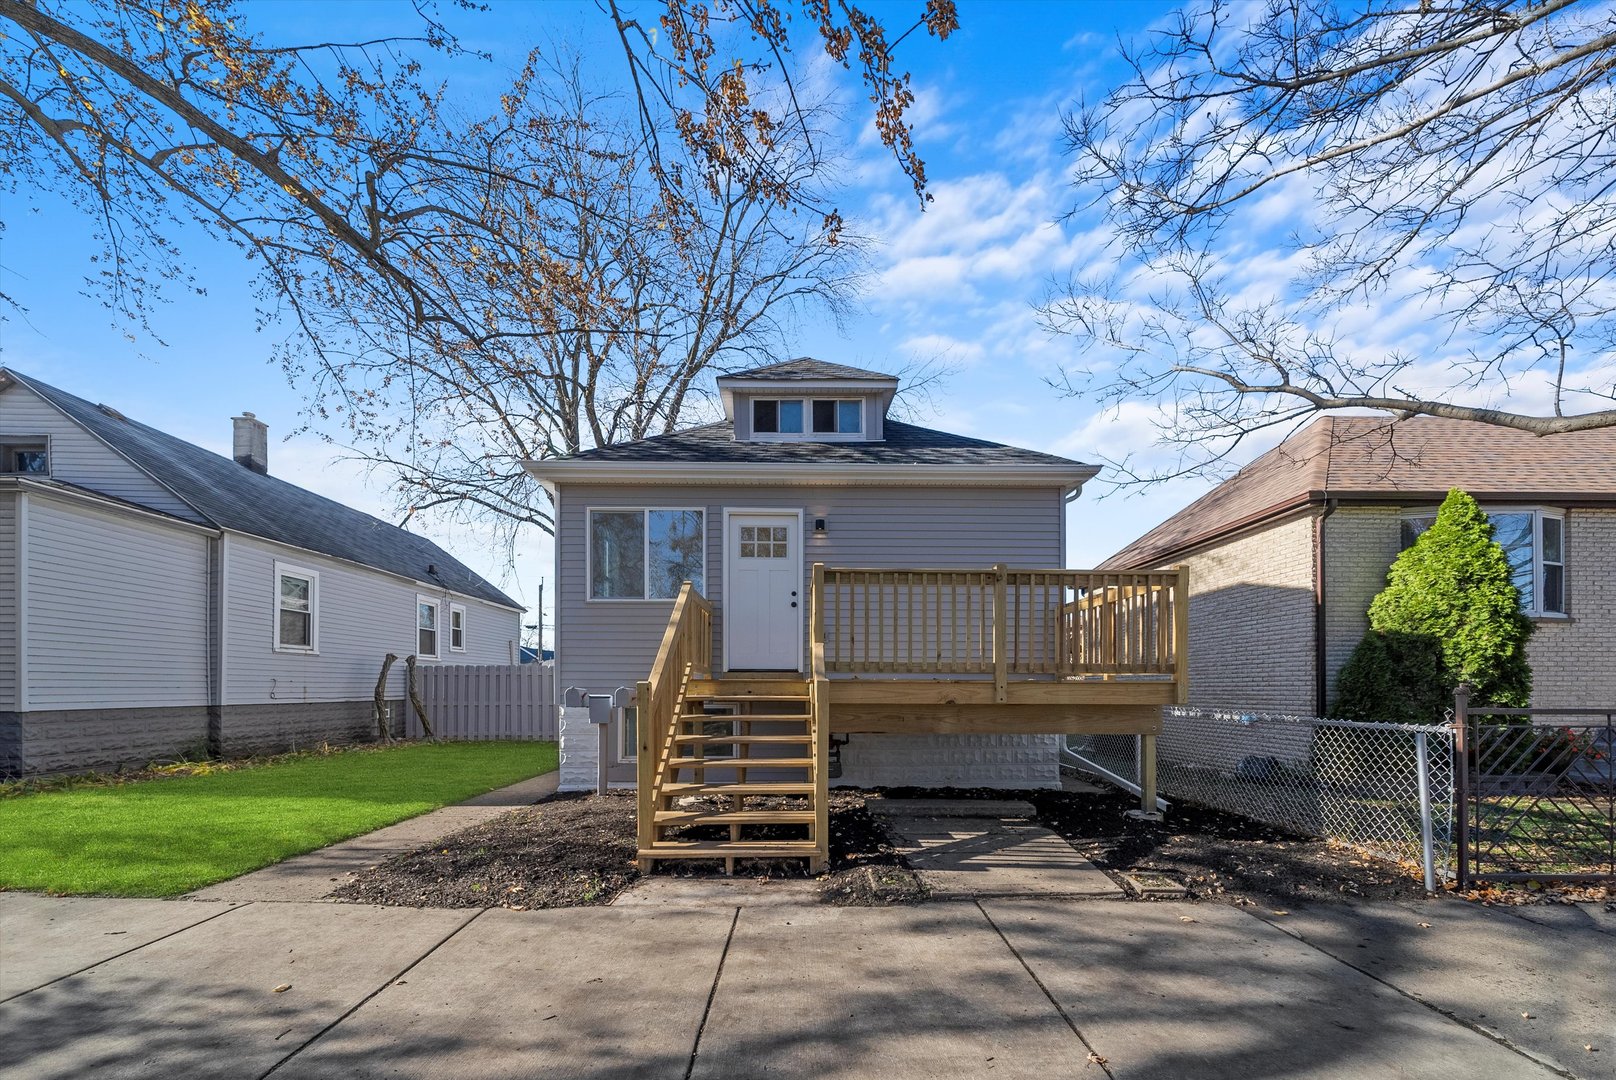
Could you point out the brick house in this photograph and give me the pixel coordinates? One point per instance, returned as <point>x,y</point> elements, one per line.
<point>1285,556</point>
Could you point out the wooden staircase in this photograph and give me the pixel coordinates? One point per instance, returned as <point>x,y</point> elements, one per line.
<point>739,755</point>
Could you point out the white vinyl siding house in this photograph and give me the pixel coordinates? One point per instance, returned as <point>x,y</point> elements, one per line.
<point>8,600</point>
<point>118,609</point>
<point>362,615</point>
<point>79,458</point>
<point>245,615</point>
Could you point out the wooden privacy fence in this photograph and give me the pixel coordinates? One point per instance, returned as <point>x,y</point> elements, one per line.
<point>487,701</point>
<point>1001,622</point>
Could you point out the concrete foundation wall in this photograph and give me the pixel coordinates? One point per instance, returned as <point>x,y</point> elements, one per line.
<point>266,729</point>
<point>995,761</point>
<point>85,740</point>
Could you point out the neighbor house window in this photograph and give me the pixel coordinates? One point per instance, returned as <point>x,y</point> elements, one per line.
<point>297,609</point>
<point>26,457</point>
<point>1534,542</point>
<point>772,417</point>
<point>838,417</point>
<point>645,554</point>
<point>457,628</point>
<point>426,627</point>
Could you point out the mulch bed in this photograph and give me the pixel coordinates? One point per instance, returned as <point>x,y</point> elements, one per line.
<point>578,850</point>
<point>568,851</point>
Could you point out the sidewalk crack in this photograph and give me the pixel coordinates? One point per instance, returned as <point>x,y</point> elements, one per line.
<point>362,1002</point>
<point>1094,1055</point>
<point>712,993</point>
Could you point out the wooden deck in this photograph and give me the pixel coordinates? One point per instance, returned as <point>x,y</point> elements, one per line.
<point>922,651</point>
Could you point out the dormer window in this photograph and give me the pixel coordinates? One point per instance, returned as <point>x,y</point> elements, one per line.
<point>807,418</point>
<point>26,457</point>
<point>838,417</point>
<point>777,416</point>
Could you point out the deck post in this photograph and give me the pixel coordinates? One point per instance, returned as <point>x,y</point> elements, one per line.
<point>644,772</point>
<point>1147,775</point>
<point>1001,661</point>
<point>1181,633</point>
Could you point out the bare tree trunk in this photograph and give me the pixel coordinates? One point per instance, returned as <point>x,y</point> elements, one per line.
<point>415,697</point>
<point>379,709</point>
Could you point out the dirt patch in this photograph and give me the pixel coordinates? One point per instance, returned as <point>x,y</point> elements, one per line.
<point>578,850</point>
<point>568,851</point>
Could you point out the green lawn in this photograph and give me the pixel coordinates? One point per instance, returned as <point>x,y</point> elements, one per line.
<point>164,837</point>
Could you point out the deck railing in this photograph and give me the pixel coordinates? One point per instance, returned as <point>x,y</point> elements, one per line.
<point>1001,622</point>
<point>686,652</point>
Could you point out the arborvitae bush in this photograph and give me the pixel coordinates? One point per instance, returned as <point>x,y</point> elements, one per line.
<point>1450,613</point>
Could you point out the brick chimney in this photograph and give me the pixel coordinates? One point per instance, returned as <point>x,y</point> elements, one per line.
<point>251,442</point>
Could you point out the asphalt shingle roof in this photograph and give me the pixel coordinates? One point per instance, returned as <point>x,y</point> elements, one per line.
<point>906,444</point>
<point>1396,462</point>
<point>231,496</point>
<point>806,368</point>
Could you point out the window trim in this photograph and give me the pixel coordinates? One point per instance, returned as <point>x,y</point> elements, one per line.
<point>645,510</point>
<point>286,569</point>
<point>421,601</point>
<point>627,752</point>
<point>457,627</point>
<point>7,441</point>
<point>1538,513</point>
<point>808,434</point>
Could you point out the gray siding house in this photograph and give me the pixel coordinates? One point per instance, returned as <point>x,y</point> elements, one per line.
<point>806,468</point>
<point>158,599</point>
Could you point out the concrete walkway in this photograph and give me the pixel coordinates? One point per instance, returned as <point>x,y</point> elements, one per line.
<point>1002,989</point>
<point>967,849</point>
<point>312,876</point>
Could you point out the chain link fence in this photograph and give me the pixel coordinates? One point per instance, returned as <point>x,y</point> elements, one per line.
<point>1384,788</point>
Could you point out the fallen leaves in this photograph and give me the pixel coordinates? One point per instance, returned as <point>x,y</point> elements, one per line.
<point>1097,1059</point>
<point>282,988</point>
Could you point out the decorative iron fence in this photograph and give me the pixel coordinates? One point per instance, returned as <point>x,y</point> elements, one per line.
<point>1538,796</point>
<point>1384,788</point>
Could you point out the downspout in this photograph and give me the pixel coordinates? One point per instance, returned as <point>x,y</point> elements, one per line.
<point>1320,640</point>
<point>218,572</point>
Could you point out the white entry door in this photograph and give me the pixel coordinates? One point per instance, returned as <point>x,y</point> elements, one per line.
<point>762,582</point>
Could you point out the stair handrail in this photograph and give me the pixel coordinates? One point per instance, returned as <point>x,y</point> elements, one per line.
<point>819,711</point>
<point>686,651</point>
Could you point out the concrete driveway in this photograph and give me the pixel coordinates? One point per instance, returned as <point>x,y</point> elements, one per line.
<point>1006,989</point>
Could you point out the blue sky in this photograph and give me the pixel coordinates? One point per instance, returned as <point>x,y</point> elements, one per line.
<point>956,283</point>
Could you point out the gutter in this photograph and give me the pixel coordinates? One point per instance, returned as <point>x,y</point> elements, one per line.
<point>1320,642</point>
<point>800,474</point>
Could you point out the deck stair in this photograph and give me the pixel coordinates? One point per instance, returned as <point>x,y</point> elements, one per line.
<point>741,754</point>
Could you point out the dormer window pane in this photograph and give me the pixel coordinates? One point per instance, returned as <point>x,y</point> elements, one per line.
<point>765,417</point>
<point>824,416</point>
<point>849,416</point>
<point>791,417</point>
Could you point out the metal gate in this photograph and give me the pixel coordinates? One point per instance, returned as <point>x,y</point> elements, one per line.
<point>1537,795</point>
